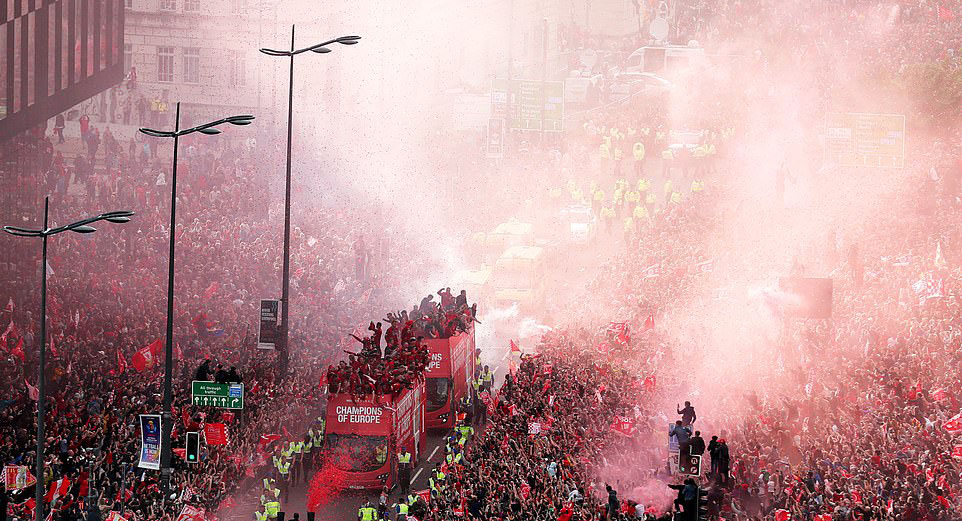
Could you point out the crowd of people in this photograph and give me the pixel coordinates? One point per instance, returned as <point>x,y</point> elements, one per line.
<point>870,435</point>
<point>106,321</point>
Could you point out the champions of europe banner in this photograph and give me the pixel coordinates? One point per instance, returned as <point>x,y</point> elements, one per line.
<point>149,441</point>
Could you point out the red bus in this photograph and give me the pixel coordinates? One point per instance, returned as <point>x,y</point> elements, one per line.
<point>449,374</point>
<point>363,437</point>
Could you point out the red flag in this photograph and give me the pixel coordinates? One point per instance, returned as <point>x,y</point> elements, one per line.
<point>782,515</point>
<point>143,359</point>
<point>156,348</point>
<point>856,496</point>
<point>954,425</point>
<point>514,347</point>
<point>623,425</point>
<point>18,351</point>
<point>945,502</point>
<point>121,362</point>
<point>58,489</point>
<point>823,517</point>
<point>946,14</point>
<point>939,394</point>
<point>215,433</point>
<point>209,292</point>
<point>228,417</point>
<point>649,384</point>
<point>492,405</point>
<point>181,452</point>
<point>267,438</point>
<point>650,322</point>
<point>525,490</point>
<point>513,410</point>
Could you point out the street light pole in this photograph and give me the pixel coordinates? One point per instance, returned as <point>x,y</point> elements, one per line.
<point>321,48</point>
<point>166,415</point>
<point>81,226</point>
<point>42,367</point>
<point>286,273</point>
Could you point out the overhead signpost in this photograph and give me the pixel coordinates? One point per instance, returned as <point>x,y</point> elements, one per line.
<point>861,139</point>
<point>521,106</point>
<point>211,394</point>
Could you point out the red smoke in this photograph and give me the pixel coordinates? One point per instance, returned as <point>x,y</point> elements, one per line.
<point>326,484</point>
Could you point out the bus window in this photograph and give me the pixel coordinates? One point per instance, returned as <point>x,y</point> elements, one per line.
<point>357,453</point>
<point>437,393</point>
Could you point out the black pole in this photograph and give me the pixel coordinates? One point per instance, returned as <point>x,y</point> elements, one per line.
<point>286,275</point>
<point>123,490</point>
<point>166,417</point>
<point>41,368</point>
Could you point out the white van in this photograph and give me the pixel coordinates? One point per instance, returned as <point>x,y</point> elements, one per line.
<point>663,59</point>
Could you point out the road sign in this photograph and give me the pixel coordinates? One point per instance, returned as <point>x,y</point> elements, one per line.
<point>859,139</point>
<point>225,396</point>
<point>689,465</point>
<point>522,105</point>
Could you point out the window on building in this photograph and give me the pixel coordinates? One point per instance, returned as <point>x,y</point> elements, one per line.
<point>129,4</point>
<point>168,5</point>
<point>238,6</point>
<point>192,6</point>
<point>128,57</point>
<point>238,71</point>
<point>165,64</point>
<point>191,65</point>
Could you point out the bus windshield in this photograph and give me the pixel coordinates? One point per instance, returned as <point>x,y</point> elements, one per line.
<point>437,393</point>
<point>357,452</point>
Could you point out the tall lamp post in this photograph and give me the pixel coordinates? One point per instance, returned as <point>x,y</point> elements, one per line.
<point>166,419</point>
<point>320,48</point>
<point>81,226</point>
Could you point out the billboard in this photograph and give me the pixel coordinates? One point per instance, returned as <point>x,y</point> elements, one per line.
<point>55,54</point>
<point>860,139</point>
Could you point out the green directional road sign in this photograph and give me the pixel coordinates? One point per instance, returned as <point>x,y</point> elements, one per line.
<point>225,396</point>
<point>522,105</point>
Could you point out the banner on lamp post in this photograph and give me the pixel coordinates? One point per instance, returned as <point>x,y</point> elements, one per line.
<point>269,332</point>
<point>150,442</point>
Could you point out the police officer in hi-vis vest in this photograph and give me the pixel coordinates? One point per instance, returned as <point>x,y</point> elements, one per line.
<point>404,471</point>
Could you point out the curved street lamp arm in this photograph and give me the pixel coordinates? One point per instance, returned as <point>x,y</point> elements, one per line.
<point>345,40</point>
<point>118,216</point>
<point>156,133</point>
<point>22,232</point>
<point>244,119</point>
